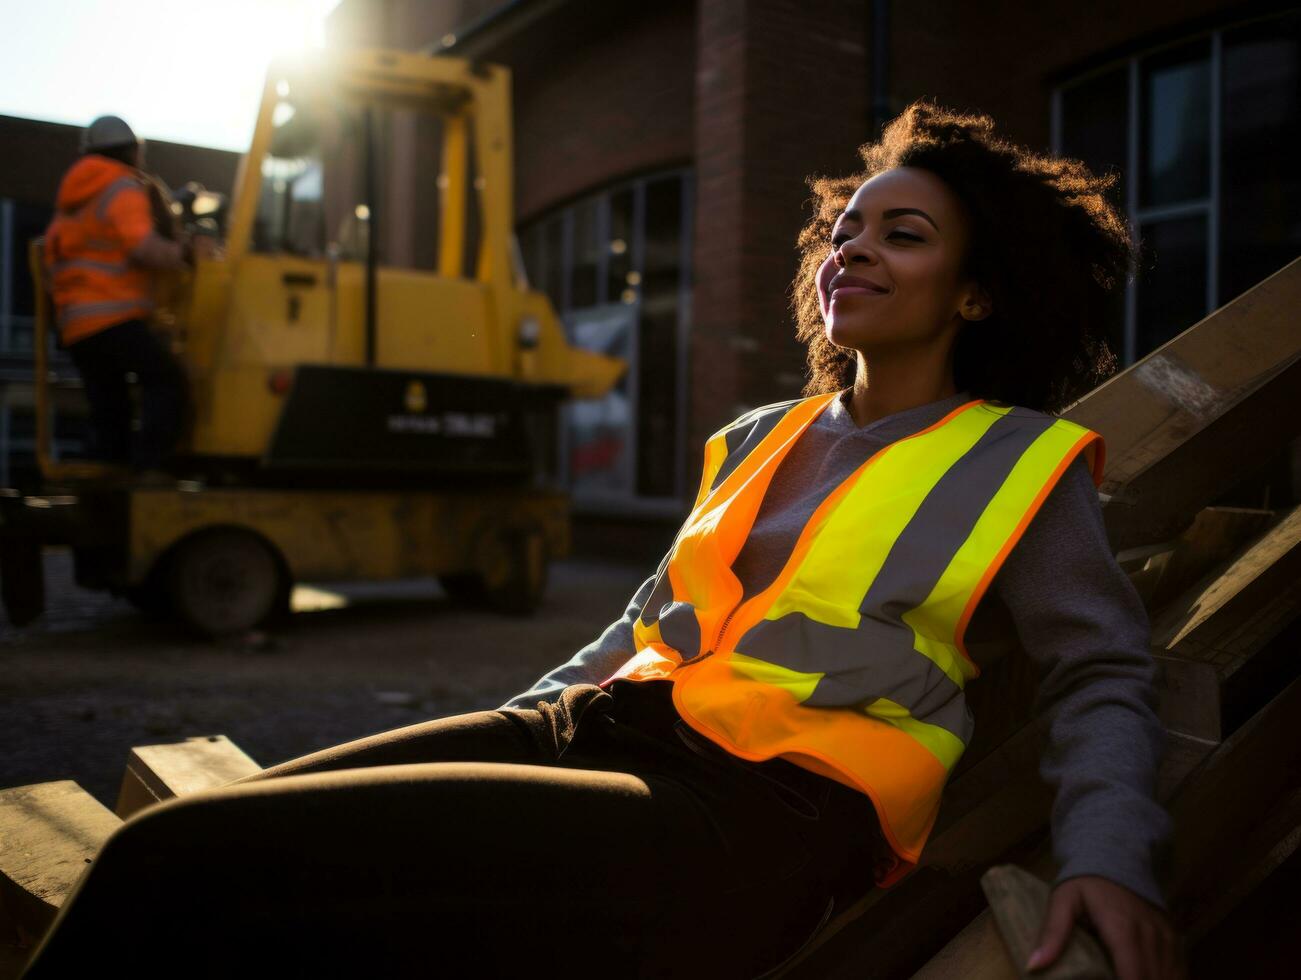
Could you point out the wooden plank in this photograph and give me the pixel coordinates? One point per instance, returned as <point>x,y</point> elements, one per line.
<point>1019,903</point>
<point>1225,618</point>
<point>1227,798</point>
<point>49,832</point>
<point>1189,697</point>
<point>160,772</point>
<point>1223,390</point>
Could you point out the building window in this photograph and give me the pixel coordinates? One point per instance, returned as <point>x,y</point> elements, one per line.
<point>616,265</point>
<point>1200,133</point>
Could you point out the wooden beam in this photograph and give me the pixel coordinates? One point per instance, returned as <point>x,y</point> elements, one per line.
<point>160,772</point>
<point>1223,391</point>
<point>49,832</point>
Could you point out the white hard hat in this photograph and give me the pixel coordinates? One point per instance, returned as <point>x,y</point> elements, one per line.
<point>107,132</point>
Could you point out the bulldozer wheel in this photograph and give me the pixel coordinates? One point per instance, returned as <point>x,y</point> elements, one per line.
<point>224,581</point>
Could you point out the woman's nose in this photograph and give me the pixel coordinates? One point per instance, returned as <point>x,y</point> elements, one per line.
<point>854,250</point>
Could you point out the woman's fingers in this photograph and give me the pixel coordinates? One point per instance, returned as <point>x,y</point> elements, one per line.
<point>1063,907</point>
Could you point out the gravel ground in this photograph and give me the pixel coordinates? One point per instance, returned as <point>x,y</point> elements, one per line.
<point>92,678</point>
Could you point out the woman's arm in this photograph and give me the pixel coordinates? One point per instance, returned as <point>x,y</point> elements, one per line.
<point>1081,621</point>
<point>594,662</point>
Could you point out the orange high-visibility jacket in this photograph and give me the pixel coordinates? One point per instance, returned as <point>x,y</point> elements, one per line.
<point>851,663</point>
<point>102,213</point>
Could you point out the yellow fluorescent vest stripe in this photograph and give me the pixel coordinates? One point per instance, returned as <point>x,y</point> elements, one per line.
<point>936,622</point>
<point>944,745</point>
<point>797,683</point>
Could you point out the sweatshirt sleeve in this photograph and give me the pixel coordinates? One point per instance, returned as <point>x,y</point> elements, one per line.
<point>594,662</point>
<point>1080,620</point>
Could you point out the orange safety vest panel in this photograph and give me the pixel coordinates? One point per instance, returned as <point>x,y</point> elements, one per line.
<point>851,663</point>
<point>102,213</point>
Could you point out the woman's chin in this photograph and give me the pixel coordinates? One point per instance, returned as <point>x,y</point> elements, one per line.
<point>844,334</point>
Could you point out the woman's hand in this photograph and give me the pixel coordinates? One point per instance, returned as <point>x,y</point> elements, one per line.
<point>1138,935</point>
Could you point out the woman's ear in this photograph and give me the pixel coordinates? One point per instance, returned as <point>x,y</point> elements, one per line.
<point>976,305</point>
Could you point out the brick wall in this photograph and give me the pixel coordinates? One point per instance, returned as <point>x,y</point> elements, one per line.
<point>1003,56</point>
<point>781,93</point>
<point>601,99</point>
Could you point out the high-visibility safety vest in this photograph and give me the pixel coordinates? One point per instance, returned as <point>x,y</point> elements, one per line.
<point>102,213</point>
<point>851,663</point>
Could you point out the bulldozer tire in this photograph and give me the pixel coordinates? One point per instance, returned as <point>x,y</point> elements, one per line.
<point>225,581</point>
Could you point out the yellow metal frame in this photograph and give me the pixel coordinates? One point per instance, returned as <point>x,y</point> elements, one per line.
<point>333,535</point>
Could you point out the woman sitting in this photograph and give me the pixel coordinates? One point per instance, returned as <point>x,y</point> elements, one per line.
<point>766,732</point>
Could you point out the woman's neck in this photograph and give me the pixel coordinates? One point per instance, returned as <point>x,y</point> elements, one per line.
<point>880,391</point>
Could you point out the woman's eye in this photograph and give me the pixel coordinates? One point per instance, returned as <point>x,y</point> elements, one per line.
<point>907,236</point>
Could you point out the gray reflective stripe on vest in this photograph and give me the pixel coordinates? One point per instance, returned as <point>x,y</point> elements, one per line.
<point>106,196</point>
<point>101,244</point>
<point>946,517</point>
<point>747,433</point>
<point>680,629</point>
<point>877,659</point>
<point>95,265</point>
<point>77,311</point>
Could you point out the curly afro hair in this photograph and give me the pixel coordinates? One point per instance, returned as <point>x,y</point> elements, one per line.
<point>1045,243</point>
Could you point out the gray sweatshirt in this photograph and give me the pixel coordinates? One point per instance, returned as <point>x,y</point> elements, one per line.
<point>1075,612</point>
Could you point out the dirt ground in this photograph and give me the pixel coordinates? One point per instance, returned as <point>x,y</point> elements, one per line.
<point>92,678</point>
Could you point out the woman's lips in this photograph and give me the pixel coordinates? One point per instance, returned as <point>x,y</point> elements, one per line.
<point>854,291</point>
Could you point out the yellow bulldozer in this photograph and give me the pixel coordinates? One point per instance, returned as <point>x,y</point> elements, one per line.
<point>375,387</point>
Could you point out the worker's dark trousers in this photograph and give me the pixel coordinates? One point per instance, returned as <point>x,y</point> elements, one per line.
<point>104,360</point>
<point>584,839</point>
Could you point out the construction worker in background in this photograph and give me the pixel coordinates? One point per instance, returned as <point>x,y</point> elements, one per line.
<point>102,252</point>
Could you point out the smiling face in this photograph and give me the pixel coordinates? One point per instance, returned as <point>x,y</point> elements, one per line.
<point>894,275</point>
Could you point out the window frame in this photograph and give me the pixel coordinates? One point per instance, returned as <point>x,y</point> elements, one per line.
<point>628,500</point>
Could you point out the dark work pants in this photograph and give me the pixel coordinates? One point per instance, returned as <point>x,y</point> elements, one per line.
<point>104,360</point>
<point>583,839</point>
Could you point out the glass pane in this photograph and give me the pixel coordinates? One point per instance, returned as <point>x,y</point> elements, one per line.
<point>1260,202</point>
<point>586,258</point>
<point>599,428</point>
<point>1172,284</point>
<point>1095,124</point>
<point>619,272</point>
<point>660,284</point>
<point>1175,141</point>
